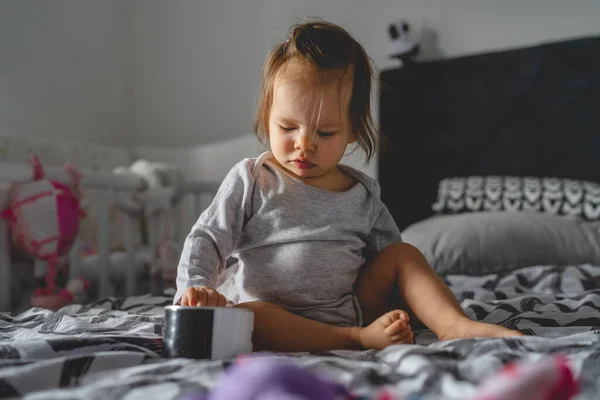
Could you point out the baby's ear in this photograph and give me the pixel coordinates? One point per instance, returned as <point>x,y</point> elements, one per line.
<point>352,138</point>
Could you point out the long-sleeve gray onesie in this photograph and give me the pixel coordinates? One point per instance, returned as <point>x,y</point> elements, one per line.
<point>298,246</point>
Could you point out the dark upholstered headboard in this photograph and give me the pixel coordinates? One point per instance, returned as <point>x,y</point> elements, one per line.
<point>527,112</point>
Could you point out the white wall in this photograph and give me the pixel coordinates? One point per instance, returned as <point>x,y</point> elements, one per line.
<point>185,73</point>
<point>197,63</point>
<point>65,69</point>
<point>196,66</point>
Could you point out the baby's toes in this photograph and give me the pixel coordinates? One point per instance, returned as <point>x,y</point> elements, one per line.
<point>403,315</point>
<point>395,315</point>
<point>406,337</point>
<point>386,319</point>
<point>396,327</point>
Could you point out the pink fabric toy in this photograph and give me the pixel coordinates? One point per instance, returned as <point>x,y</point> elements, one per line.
<point>43,216</point>
<point>549,378</point>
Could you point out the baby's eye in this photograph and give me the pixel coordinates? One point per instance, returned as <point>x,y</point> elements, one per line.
<point>325,134</point>
<point>287,129</point>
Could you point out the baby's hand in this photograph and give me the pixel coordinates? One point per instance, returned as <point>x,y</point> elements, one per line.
<point>203,297</point>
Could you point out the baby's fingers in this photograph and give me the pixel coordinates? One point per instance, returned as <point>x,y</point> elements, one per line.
<point>201,297</point>
<point>212,298</point>
<point>222,301</point>
<point>189,297</point>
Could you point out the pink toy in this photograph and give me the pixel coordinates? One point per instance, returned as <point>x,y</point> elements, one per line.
<point>43,216</point>
<point>549,378</point>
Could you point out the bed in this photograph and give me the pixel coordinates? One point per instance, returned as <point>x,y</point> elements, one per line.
<point>498,120</point>
<point>112,349</point>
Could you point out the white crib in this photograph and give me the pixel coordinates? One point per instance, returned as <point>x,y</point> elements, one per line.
<point>107,182</point>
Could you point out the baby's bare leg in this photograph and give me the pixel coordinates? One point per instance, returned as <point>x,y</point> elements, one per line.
<point>276,329</point>
<point>401,267</point>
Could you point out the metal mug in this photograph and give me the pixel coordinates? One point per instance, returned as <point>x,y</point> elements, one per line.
<point>207,332</point>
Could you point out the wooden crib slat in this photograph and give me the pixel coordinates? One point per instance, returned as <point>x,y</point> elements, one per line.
<point>22,172</point>
<point>153,238</point>
<point>178,221</point>
<point>197,204</point>
<point>130,273</point>
<point>103,265</point>
<point>75,260</point>
<point>4,267</point>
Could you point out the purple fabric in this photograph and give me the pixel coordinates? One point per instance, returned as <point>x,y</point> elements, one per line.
<point>268,378</point>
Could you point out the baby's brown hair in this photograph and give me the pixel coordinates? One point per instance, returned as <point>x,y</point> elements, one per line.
<point>324,46</point>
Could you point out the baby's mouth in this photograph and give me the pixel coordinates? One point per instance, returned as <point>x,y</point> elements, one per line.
<point>303,164</point>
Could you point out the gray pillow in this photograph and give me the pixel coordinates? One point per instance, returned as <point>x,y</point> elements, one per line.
<point>489,242</point>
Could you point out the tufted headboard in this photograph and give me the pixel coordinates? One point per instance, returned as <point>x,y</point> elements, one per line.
<point>531,111</point>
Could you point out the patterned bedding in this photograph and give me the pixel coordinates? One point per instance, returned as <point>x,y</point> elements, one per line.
<point>112,349</point>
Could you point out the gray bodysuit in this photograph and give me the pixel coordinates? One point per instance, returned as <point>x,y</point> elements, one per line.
<point>298,246</point>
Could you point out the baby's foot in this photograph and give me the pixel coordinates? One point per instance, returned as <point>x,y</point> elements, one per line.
<point>390,328</point>
<point>473,329</point>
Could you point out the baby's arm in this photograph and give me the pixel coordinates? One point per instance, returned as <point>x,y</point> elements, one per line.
<point>214,236</point>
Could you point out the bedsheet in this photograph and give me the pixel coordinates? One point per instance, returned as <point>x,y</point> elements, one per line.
<point>112,349</point>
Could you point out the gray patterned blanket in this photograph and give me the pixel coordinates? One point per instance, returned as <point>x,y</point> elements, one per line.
<point>112,349</point>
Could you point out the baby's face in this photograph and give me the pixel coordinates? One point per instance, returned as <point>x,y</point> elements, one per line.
<point>309,125</point>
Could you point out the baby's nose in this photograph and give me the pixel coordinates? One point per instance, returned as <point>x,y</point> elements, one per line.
<point>305,141</point>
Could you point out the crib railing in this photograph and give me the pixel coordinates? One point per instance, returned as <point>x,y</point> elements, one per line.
<point>107,182</point>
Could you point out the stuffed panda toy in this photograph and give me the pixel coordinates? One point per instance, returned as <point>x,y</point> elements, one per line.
<point>405,44</point>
